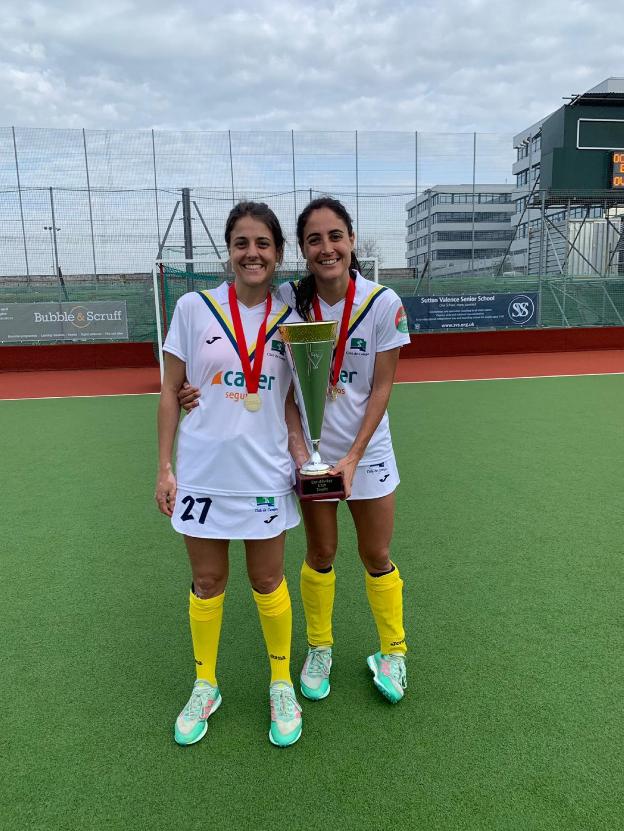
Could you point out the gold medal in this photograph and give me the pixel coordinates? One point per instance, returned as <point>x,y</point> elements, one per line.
<point>253,402</point>
<point>332,392</point>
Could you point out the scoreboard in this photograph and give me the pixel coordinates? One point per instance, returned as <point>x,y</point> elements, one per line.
<point>617,169</point>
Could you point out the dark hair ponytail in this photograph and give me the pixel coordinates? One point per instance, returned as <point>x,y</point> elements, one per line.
<point>305,291</point>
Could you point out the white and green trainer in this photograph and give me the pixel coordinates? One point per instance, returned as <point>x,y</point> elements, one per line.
<point>285,714</point>
<point>191,724</point>
<point>315,673</point>
<point>389,673</point>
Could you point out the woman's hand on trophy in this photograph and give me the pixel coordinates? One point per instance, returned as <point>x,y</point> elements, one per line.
<point>166,488</point>
<point>187,396</point>
<point>347,467</point>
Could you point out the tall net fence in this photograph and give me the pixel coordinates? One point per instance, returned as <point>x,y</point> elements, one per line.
<point>100,201</point>
<point>88,212</point>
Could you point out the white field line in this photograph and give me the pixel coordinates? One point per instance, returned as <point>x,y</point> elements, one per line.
<point>512,378</point>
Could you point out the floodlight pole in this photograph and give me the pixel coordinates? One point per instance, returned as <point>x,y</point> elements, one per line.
<point>188,232</point>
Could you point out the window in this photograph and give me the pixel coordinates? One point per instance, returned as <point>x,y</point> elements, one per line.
<point>523,151</point>
<point>522,178</point>
<point>536,143</point>
<point>466,216</point>
<point>466,254</point>
<point>466,236</point>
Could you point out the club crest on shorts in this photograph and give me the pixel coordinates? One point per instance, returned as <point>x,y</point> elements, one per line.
<point>265,504</point>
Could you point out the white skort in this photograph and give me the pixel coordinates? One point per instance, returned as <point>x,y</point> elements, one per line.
<point>374,481</point>
<point>234,517</point>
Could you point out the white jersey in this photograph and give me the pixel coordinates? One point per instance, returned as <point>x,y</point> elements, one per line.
<point>223,448</point>
<point>378,323</point>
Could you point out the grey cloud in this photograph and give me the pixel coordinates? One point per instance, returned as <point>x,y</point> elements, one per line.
<point>452,66</point>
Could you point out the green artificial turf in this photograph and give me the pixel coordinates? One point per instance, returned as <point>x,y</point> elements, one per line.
<point>509,538</point>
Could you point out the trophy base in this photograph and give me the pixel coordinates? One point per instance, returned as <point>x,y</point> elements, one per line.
<point>319,486</point>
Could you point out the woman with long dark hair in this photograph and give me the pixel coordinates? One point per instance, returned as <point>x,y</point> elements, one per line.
<point>356,440</point>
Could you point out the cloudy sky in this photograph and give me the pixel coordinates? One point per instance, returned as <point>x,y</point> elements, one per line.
<point>450,65</point>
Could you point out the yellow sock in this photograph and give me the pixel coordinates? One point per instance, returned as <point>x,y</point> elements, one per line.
<point>276,620</point>
<point>317,592</point>
<point>385,596</point>
<point>206,616</point>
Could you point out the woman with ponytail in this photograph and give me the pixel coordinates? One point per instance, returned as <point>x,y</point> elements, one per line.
<point>356,440</point>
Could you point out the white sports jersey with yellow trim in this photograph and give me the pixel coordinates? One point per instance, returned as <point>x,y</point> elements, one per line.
<point>378,323</point>
<point>223,448</point>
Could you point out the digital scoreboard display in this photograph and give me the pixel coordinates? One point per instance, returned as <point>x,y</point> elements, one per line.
<point>617,170</point>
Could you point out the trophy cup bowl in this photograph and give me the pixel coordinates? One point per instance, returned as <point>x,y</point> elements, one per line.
<point>310,347</point>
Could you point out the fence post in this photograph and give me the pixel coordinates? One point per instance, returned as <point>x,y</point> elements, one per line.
<point>474,174</point>
<point>231,166</point>
<point>357,192</point>
<point>416,171</point>
<point>156,189</point>
<point>19,195</point>
<point>542,223</point>
<point>292,144</point>
<point>84,143</point>
<point>188,234</point>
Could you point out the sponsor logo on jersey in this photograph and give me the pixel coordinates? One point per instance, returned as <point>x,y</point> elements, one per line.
<point>346,377</point>
<point>230,378</point>
<point>358,344</point>
<point>278,346</point>
<point>237,379</point>
<point>210,341</point>
<point>265,500</point>
<point>270,519</point>
<point>400,320</point>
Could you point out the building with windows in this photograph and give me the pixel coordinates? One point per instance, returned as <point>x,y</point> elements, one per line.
<point>458,229</point>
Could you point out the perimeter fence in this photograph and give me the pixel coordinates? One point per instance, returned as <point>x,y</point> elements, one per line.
<point>100,201</point>
<point>84,214</point>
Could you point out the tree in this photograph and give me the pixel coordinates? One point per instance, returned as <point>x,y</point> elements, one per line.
<point>368,248</point>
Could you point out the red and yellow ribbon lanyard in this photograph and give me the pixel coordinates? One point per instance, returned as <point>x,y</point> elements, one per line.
<point>341,345</point>
<point>252,401</point>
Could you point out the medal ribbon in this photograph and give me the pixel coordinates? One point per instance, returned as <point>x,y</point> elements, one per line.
<point>344,329</point>
<point>252,375</point>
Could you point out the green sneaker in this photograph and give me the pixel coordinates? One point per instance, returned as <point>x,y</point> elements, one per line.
<point>390,676</point>
<point>191,724</point>
<point>315,673</point>
<point>285,715</point>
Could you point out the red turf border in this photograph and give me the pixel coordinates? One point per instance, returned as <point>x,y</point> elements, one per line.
<point>448,344</point>
<point>76,356</point>
<point>426,345</point>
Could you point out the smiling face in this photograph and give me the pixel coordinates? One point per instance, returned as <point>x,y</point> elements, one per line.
<point>253,252</point>
<point>327,246</point>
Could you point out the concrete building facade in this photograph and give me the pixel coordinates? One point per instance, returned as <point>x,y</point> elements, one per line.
<point>458,229</point>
